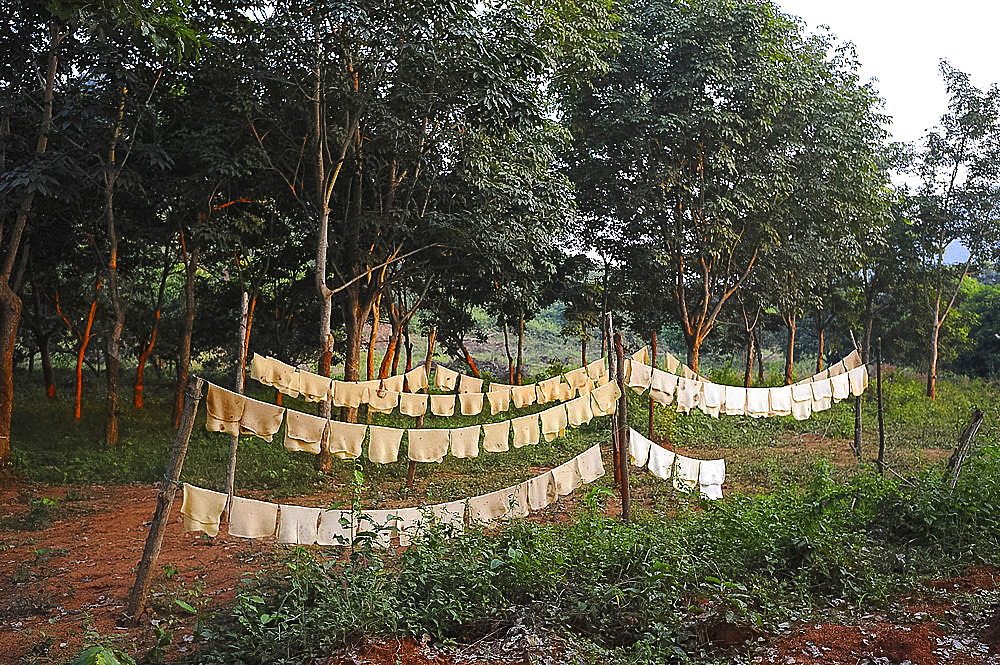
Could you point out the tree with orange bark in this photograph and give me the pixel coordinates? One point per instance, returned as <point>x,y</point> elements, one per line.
<point>696,146</point>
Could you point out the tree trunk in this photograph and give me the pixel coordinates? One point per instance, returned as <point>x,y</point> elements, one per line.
<point>84,341</point>
<point>790,324</point>
<point>820,345</point>
<point>748,372</point>
<point>10,302</point>
<point>583,348</point>
<point>520,349</point>
<point>10,314</point>
<point>47,377</point>
<point>184,354</point>
<point>759,352</point>
<point>355,314</point>
<point>694,353</point>
<point>114,339</point>
<point>374,337</point>
<point>409,346</point>
<point>114,366</point>
<point>42,339</point>
<point>468,360</point>
<point>932,368</point>
<point>140,371</point>
<point>392,346</point>
<point>506,347</point>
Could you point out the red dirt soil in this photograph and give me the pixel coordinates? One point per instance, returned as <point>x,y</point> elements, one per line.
<point>833,643</point>
<point>59,582</point>
<point>77,573</point>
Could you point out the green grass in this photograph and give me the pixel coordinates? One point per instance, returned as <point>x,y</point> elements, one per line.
<point>806,527</point>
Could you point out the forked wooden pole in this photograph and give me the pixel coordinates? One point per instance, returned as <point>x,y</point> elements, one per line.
<point>621,420</point>
<point>164,504</point>
<point>652,361</point>
<point>234,439</point>
<point>881,414</point>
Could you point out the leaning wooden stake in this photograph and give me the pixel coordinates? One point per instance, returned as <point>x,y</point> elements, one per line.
<point>613,375</point>
<point>164,504</point>
<point>963,447</point>
<point>621,420</point>
<point>881,414</point>
<point>857,412</point>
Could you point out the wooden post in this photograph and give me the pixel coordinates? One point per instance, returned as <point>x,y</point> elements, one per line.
<point>164,504</point>
<point>411,471</point>
<point>234,439</point>
<point>612,374</point>
<point>963,447</point>
<point>857,412</point>
<point>652,361</point>
<point>881,414</point>
<point>621,419</point>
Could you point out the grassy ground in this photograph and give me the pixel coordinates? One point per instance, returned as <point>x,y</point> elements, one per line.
<point>804,528</point>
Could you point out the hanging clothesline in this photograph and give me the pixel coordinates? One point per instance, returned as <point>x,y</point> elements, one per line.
<point>248,518</point>
<point>232,413</point>
<point>402,390</point>
<point>686,473</point>
<point>799,400</point>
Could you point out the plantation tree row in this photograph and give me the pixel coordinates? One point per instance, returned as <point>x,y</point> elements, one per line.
<point>704,167</point>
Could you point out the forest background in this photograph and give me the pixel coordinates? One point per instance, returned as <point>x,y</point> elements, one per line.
<point>710,172</point>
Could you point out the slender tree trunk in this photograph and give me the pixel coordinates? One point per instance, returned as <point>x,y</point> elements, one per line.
<point>373,339</point>
<point>932,368</point>
<point>84,341</point>
<point>392,347</point>
<point>790,325</point>
<point>748,372</point>
<point>759,352</point>
<point>114,365</point>
<point>42,340</point>
<point>520,349</point>
<point>583,348</point>
<point>820,343</point>
<point>409,346</point>
<point>184,354</point>
<point>140,371</point>
<point>391,354</point>
<point>47,376</point>
<point>114,339</point>
<point>468,360</point>
<point>506,347</point>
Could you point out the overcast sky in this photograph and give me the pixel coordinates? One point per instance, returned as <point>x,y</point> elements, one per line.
<point>900,44</point>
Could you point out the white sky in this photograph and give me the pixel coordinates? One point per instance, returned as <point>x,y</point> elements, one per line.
<point>900,44</point>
